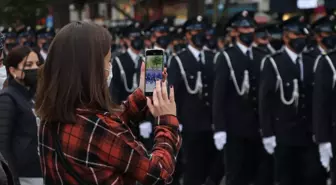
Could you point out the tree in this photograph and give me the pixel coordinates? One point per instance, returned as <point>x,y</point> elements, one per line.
<point>26,11</point>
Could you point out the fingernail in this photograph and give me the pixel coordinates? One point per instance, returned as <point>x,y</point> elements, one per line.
<point>171,86</point>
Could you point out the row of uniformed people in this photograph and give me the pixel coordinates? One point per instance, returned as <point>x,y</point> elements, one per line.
<point>256,106</point>
<point>39,40</point>
<point>262,105</point>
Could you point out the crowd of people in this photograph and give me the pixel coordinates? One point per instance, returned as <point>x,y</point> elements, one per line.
<point>251,103</point>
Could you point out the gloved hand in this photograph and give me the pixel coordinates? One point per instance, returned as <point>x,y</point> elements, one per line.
<point>220,140</point>
<point>145,129</point>
<point>180,127</point>
<point>269,144</point>
<point>325,151</point>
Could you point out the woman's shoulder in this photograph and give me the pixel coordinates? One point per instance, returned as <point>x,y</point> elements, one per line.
<point>100,117</point>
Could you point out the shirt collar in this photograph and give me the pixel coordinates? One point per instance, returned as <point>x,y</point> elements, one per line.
<point>194,51</point>
<point>321,49</point>
<point>133,55</point>
<point>244,48</point>
<point>157,47</point>
<point>292,55</point>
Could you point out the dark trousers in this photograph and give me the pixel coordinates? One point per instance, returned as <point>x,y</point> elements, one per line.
<point>201,155</point>
<point>179,168</point>
<point>333,160</point>
<point>247,162</point>
<point>299,165</point>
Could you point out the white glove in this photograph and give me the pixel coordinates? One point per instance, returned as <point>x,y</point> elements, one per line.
<point>180,127</point>
<point>325,154</point>
<point>220,140</point>
<point>269,144</point>
<point>145,129</point>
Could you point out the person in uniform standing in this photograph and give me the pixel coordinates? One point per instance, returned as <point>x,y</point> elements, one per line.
<point>126,66</point>
<point>235,104</point>
<point>126,71</point>
<point>324,35</point>
<point>44,38</point>
<point>178,42</point>
<point>10,40</point>
<point>261,39</point>
<point>191,74</point>
<point>323,101</point>
<point>161,38</point>
<point>212,40</point>
<point>285,104</point>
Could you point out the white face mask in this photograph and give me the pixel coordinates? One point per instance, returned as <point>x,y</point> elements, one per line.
<point>110,76</point>
<point>3,72</point>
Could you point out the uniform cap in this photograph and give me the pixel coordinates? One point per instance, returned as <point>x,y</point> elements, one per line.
<point>325,24</point>
<point>45,32</point>
<point>9,33</point>
<point>296,24</point>
<point>134,30</point>
<point>177,32</point>
<point>243,19</point>
<point>196,23</point>
<point>162,25</point>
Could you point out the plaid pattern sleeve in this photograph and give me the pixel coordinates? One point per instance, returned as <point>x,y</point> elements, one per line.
<point>131,158</point>
<point>136,109</point>
<point>102,150</point>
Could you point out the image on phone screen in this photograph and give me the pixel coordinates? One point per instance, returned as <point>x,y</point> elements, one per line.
<point>154,66</point>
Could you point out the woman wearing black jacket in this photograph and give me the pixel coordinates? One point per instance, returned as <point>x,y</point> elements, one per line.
<point>18,124</point>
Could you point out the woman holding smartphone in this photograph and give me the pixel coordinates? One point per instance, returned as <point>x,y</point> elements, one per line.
<point>82,140</point>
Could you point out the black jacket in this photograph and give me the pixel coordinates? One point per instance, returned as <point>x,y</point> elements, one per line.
<point>235,114</point>
<point>324,100</point>
<point>6,177</point>
<point>194,110</point>
<point>292,125</point>
<point>18,136</point>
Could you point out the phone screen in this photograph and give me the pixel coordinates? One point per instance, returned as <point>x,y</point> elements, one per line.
<point>154,67</point>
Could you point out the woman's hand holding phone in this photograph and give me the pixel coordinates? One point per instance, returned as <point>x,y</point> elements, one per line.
<point>143,74</point>
<point>162,104</point>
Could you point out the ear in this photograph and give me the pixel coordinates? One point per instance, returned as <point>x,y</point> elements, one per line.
<point>12,71</point>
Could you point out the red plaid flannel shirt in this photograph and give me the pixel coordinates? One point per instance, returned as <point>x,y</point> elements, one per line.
<point>103,150</point>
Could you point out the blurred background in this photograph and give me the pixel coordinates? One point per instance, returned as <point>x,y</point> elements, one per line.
<point>113,13</point>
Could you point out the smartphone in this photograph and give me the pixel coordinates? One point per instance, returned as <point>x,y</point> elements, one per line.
<point>154,68</point>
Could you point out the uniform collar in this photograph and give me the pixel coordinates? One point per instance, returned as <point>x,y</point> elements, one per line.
<point>196,53</point>
<point>157,47</point>
<point>321,49</point>
<point>292,55</point>
<point>243,48</point>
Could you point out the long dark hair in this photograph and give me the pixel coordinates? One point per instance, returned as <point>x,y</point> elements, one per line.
<point>73,74</point>
<point>15,57</point>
